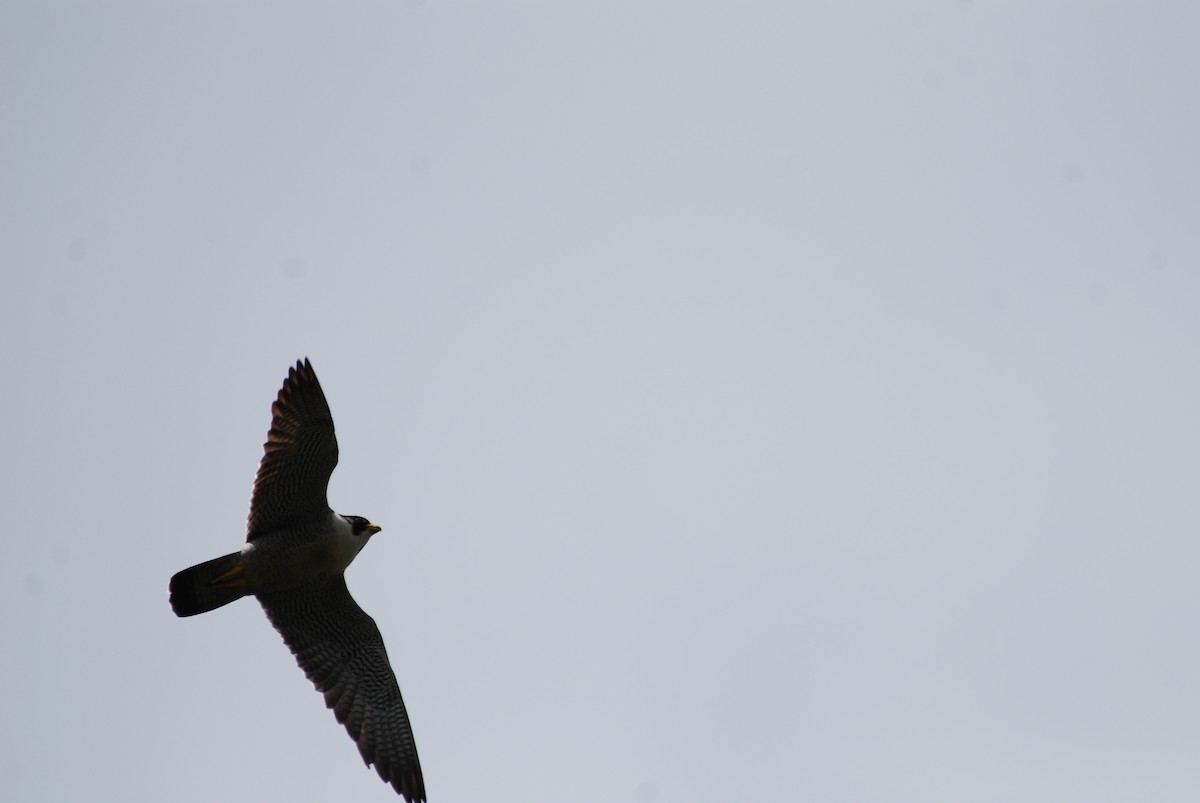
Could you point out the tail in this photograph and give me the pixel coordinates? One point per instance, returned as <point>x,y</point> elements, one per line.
<point>208,585</point>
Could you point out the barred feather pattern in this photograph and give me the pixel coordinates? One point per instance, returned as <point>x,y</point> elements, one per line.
<point>341,651</point>
<point>299,456</point>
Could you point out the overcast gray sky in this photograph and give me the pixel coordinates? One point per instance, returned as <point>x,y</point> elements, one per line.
<point>762,401</point>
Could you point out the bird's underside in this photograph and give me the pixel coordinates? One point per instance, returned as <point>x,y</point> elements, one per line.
<point>297,550</point>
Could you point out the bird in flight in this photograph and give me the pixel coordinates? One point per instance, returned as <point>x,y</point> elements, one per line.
<point>296,553</point>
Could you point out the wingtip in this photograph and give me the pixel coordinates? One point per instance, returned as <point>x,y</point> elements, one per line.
<point>411,789</point>
<point>302,371</point>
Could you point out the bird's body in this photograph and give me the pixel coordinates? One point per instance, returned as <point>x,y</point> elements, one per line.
<point>287,558</point>
<point>294,560</point>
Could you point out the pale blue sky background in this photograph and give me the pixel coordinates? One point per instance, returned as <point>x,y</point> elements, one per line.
<point>762,401</point>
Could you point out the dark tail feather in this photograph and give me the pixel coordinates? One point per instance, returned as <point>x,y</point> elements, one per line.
<point>193,590</point>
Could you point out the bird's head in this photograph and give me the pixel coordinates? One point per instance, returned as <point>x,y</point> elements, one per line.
<point>360,527</point>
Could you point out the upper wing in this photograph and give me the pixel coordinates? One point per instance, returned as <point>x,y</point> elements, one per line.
<point>340,650</point>
<point>301,452</point>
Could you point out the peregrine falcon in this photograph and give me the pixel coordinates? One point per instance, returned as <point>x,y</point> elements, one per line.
<point>294,560</point>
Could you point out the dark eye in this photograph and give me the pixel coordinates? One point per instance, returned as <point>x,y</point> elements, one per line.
<point>357,524</point>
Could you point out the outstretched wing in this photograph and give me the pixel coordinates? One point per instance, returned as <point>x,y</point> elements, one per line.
<point>340,649</point>
<point>300,453</point>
